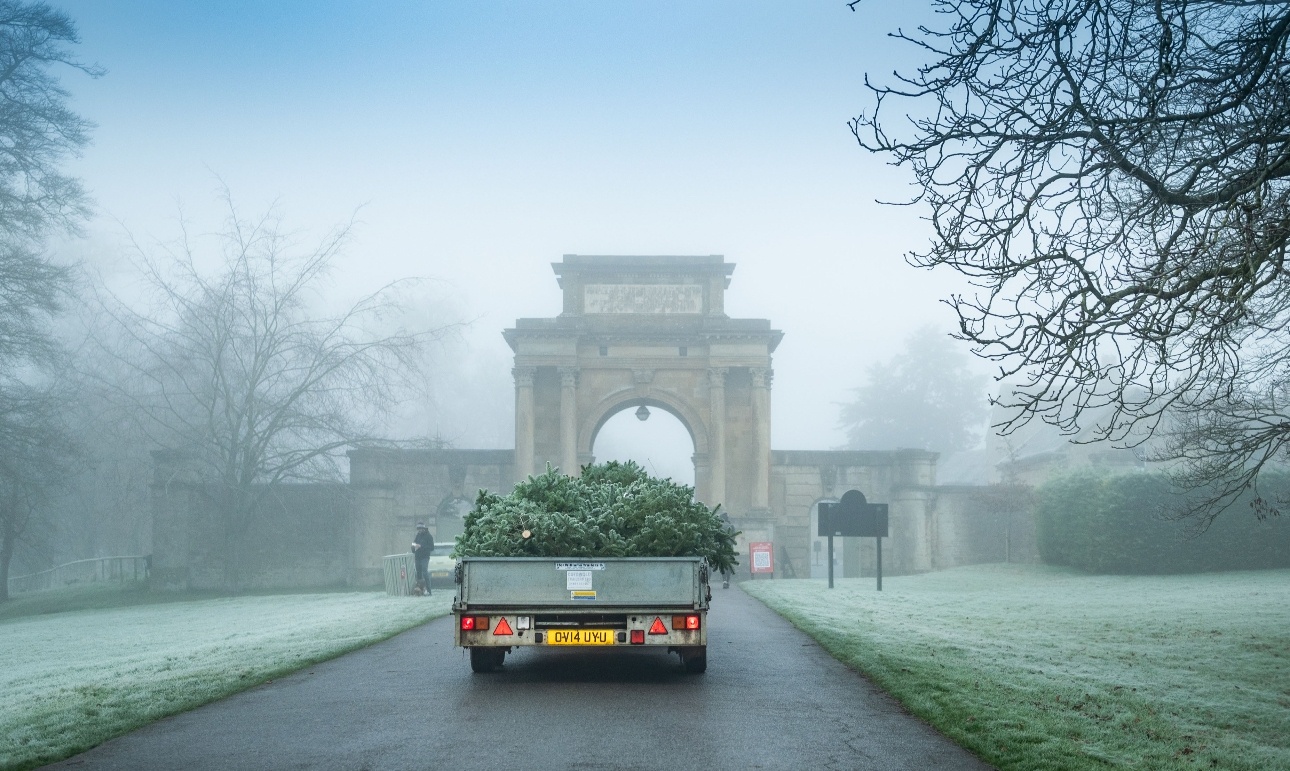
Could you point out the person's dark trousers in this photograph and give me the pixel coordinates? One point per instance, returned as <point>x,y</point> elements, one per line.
<point>423,574</point>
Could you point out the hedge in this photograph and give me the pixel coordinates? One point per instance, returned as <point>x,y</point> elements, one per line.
<point>1121,524</point>
<point>611,510</point>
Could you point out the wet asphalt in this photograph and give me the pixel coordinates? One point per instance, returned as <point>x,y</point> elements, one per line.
<point>771,699</point>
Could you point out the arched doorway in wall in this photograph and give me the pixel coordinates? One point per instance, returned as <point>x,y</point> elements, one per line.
<point>659,443</point>
<point>819,556</point>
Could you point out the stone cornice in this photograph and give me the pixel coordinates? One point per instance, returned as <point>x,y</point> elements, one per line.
<point>771,337</point>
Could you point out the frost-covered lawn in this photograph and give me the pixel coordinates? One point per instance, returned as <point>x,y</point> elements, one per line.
<point>1038,668</point>
<point>72,680</point>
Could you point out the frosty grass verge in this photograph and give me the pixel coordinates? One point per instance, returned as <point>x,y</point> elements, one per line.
<point>1040,668</point>
<point>73,680</point>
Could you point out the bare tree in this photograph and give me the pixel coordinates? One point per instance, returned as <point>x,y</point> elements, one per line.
<point>37,133</point>
<point>235,369</point>
<point>1114,178</point>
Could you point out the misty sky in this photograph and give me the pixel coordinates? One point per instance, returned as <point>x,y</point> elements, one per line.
<point>482,141</point>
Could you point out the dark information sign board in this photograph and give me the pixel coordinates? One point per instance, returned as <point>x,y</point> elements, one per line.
<point>853,517</point>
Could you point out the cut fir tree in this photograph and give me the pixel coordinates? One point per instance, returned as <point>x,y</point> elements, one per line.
<point>612,510</point>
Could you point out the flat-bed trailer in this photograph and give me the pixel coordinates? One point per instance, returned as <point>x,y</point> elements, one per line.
<point>603,603</point>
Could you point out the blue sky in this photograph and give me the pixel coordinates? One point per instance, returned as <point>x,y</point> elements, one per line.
<point>481,141</point>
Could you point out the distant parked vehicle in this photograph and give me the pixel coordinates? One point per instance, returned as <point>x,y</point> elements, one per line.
<point>441,565</point>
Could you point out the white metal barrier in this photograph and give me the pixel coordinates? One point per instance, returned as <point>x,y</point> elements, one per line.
<point>400,574</point>
<point>101,569</point>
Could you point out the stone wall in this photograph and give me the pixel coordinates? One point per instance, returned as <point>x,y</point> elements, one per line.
<point>802,479</point>
<point>330,535</point>
<point>983,524</point>
<point>930,527</point>
<point>395,489</point>
<point>302,537</point>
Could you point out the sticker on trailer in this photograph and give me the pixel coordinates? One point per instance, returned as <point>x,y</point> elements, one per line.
<point>577,579</point>
<point>582,595</point>
<point>579,566</point>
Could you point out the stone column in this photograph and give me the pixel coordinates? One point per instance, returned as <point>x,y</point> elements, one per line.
<point>569,421</point>
<point>702,478</point>
<point>761,378</point>
<point>717,436</point>
<point>524,409</point>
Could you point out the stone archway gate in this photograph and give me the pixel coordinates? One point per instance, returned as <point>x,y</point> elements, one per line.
<point>648,331</point>
<point>634,331</point>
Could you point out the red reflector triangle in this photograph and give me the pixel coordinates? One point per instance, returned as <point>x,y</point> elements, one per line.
<point>503,627</point>
<point>657,627</point>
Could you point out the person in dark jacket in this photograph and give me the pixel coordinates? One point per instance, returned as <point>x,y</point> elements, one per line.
<point>422,546</point>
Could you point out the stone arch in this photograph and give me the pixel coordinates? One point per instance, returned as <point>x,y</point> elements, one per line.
<point>595,417</point>
<point>649,330</point>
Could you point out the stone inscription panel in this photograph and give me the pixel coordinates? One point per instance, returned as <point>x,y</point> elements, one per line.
<point>643,298</point>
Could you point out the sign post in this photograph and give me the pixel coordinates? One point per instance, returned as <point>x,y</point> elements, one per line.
<point>825,525</point>
<point>879,540</point>
<point>856,518</point>
<point>761,558</point>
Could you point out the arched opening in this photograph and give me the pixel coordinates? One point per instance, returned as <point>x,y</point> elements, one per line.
<point>659,443</point>
<point>819,556</point>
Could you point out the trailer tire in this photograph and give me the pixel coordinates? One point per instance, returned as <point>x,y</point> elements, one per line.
<point>696,663</point>
<point>486,659</point>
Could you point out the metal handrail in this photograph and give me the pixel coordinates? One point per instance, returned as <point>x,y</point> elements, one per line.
<point>82,571</point>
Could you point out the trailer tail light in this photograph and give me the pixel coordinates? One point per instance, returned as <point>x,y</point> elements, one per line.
<point>471,623</point>
<point>687,623</point>
<point>638,637</point>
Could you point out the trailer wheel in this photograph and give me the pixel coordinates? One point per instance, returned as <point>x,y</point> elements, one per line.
<point>696,662</point>
<point>486,659</point>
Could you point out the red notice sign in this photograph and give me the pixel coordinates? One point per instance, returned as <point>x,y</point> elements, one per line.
<point>761,557</point>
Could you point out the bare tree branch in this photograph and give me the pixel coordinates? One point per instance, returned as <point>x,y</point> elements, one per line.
<point>236,368</point>
<point>1113,177</point>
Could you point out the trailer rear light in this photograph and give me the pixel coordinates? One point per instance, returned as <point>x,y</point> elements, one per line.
<point>685,622</point>
<point>471,623</point>
<point>638,637</point>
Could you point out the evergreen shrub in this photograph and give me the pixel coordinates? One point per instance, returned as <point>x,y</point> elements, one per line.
<point>612,510</point>
<point>1120,524</point>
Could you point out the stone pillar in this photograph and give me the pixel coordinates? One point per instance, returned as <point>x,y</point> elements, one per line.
<point>717,436</point>
<point>702,478</point>
<point>524,429</point>
<point>761,378</point>
<point>569,421</point>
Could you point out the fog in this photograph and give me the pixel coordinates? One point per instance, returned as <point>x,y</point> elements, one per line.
<point>470,146</point>
<point>480,143</point>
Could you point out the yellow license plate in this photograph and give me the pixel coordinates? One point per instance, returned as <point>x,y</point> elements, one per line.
<point>580,637</point>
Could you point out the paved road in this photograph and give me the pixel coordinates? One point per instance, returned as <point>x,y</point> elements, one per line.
<point>771,699</point>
